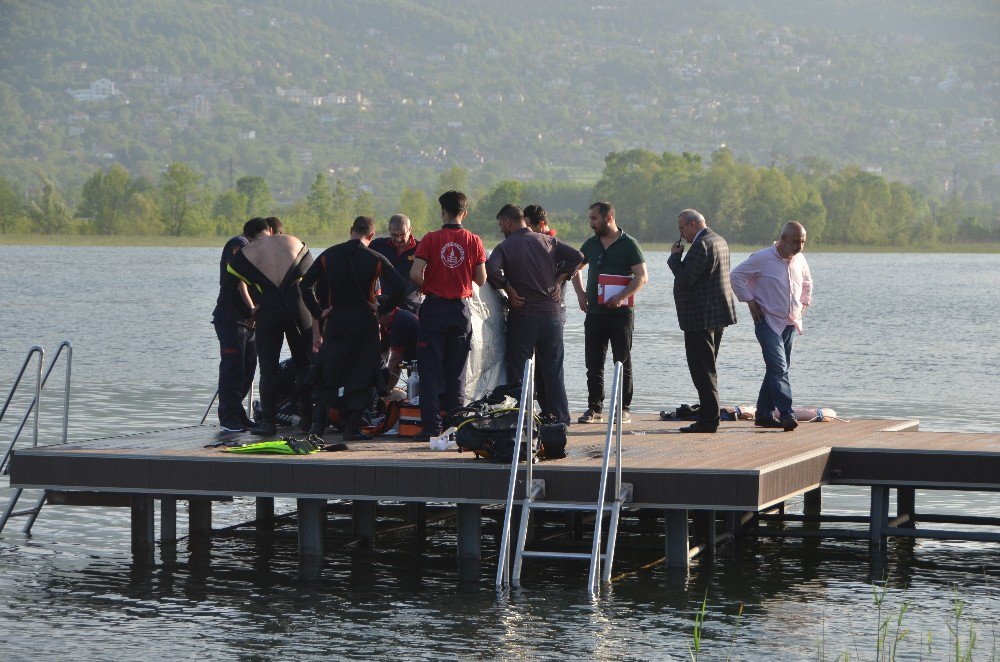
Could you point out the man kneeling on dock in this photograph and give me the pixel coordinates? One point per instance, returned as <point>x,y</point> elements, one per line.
<point>776,285</point>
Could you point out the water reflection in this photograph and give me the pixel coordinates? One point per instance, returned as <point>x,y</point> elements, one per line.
<point>146,358</point>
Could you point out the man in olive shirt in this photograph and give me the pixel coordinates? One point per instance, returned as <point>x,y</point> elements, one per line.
<point>609,251</point>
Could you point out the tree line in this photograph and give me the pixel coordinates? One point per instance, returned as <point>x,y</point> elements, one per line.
<point>746,203</point>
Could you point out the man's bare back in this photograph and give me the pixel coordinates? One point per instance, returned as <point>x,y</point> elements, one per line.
<point>273,255</point>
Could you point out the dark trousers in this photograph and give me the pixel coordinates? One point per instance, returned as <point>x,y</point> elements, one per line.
<point>542,336</point>
<point>443,344</point>
<point>702,349</point>
<point>269,338</point>
<point>237,364</point>
<point>598,332</point>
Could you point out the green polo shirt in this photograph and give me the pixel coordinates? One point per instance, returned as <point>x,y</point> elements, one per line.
<point>616,260</point>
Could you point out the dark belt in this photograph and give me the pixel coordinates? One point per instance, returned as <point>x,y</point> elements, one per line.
<point>434,296</point>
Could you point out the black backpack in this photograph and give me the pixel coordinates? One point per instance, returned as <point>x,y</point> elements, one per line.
<point>491,435</point>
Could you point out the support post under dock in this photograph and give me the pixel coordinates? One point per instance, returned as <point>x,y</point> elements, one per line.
<point>199,520</point>
<point>676,529</point>
<point>812,502</point>
<point>312,517</point>
<point>168,520</point>
<point>264,520</point>
<point>469,550</point>
<point>879,516</point>
<point>363,522</point>
<point>143,536</point>
<point>906,506</point>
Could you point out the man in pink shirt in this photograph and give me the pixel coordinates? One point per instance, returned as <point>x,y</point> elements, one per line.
<point>776,285</point>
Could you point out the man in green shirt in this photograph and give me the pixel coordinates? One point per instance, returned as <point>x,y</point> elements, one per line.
<point>610,251</point>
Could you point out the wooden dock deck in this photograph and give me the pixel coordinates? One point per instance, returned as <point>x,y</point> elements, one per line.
<point>740,470</point>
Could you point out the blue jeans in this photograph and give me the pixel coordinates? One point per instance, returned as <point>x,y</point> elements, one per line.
<point>775,391</point>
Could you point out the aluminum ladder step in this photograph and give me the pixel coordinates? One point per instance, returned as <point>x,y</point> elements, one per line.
<point>569,506</point>
<point>536,553</point>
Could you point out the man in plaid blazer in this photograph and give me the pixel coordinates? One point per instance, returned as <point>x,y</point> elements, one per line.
<point>704,301</point>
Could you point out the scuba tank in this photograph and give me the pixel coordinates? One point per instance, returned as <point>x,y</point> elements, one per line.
<point>412,382</point>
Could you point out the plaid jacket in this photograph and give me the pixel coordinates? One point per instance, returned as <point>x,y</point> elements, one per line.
<point>702,293</point>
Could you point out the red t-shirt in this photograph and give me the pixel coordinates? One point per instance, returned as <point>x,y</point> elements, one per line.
<point>452,254</point>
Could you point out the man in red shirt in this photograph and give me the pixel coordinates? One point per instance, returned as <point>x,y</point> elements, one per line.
<point>445,265</point>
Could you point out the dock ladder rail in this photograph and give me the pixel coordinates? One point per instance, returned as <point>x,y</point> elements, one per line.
<point>535,490</point>
<point>34,407</point>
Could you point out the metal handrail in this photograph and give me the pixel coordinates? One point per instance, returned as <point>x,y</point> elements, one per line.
<point>35,349</point>
<point>35,406</point>
<point>526,406</point>
<point>32,406</point>
<point>215,395</point>
<point>614,431</point>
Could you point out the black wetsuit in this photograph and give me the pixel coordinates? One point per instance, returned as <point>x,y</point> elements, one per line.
<point>282,312</point>
<point>237,347</point>
<point>402,261</point>
<point>349,361</point>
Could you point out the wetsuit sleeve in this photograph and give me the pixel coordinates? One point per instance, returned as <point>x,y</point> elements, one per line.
<point>315,272</point>
<point>393,286</point>
<point>308,293</point>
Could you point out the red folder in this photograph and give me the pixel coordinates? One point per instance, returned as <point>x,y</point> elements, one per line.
<point>608,285</point>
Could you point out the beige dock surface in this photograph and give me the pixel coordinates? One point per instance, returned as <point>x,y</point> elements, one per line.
<point>738,468</point>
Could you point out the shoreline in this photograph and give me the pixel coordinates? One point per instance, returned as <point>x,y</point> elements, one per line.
<point>142,241</point>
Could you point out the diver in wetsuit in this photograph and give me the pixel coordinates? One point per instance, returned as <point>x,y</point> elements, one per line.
<point>233,320</point>
<point>349,358</point>
<point>273,267</point>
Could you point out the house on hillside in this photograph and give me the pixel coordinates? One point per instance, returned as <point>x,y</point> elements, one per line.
<point>99,90</point>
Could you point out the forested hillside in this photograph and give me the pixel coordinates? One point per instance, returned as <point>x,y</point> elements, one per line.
<point>375,102</point>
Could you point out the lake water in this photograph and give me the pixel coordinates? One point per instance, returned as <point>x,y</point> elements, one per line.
<point>889,336</point>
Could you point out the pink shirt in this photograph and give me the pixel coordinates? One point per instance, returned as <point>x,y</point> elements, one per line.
<point>782,288</point>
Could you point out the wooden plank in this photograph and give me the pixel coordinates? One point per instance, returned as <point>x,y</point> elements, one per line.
<point>740,468</point>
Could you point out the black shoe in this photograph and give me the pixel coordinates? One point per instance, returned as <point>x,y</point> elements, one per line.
<point>264,429</point>
<point>788,422</point>
<point>356,435</point>
<point>698,427</point>
<point>767,423</point>
<point>306,424</point>
<point>234,426</point>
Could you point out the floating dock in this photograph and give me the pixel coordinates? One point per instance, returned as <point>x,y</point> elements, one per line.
<point>707,487</point>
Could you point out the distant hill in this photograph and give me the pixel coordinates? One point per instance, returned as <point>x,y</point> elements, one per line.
<point>385,93</point>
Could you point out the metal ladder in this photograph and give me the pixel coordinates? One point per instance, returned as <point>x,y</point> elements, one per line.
<point>34,406</point>
<point>535,490</point>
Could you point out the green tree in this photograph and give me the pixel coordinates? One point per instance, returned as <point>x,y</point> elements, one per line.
<point>320,200</point>
<point>364,203</point>
<point>229,212</point>
<point>454,178</point>
<point>105,200</point>
<point>343,209</point>
<point>11,206</point>
<point>413,202</point>
<point>258,195</point>
<point>181,200</point>
<point>48,212</point>
<point>483,217</point>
